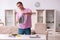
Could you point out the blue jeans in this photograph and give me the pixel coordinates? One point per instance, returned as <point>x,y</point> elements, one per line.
<point>26,31</point>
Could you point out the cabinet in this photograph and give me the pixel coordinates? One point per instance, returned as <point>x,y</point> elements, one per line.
<point>48,17</point>
<point>41,16</point>
<point>10,18</point>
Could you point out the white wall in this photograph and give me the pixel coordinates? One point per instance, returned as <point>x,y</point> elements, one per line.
<point>44,4</point>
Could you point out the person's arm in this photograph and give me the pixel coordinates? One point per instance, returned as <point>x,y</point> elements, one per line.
<point>28,13</point>
<point>17,18</point>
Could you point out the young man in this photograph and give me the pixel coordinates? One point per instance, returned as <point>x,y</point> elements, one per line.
<point>25,26</point>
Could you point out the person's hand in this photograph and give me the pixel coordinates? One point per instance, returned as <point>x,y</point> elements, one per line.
<point>23,13</point>
<point>28,13</point>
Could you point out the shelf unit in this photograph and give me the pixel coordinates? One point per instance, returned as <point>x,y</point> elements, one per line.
<point>10,17</point>
<point>48,17</point>
<point>41,16</point>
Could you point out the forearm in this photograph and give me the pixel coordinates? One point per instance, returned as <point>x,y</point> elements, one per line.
<point>17,20</point>
<point>27,13</point>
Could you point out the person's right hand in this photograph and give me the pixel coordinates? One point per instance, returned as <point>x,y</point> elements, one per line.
<point>24,13</point>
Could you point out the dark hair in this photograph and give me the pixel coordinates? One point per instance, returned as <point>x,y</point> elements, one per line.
<point>19,3</point>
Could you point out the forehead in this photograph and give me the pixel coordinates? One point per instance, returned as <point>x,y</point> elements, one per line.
<point>19,4</point>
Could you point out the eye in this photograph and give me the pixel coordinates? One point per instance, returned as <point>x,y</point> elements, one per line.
<point>18,6</point>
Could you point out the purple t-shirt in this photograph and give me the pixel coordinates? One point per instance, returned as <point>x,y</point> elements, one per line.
<point>26,19</point>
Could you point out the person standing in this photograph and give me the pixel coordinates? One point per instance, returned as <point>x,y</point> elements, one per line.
<point>25,14</point>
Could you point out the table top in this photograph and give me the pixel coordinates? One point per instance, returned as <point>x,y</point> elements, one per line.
<point>6,36</point>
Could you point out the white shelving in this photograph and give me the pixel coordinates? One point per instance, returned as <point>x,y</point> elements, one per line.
<point>9,18</point>
<point>48,17</point>
<point>40,16</point>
